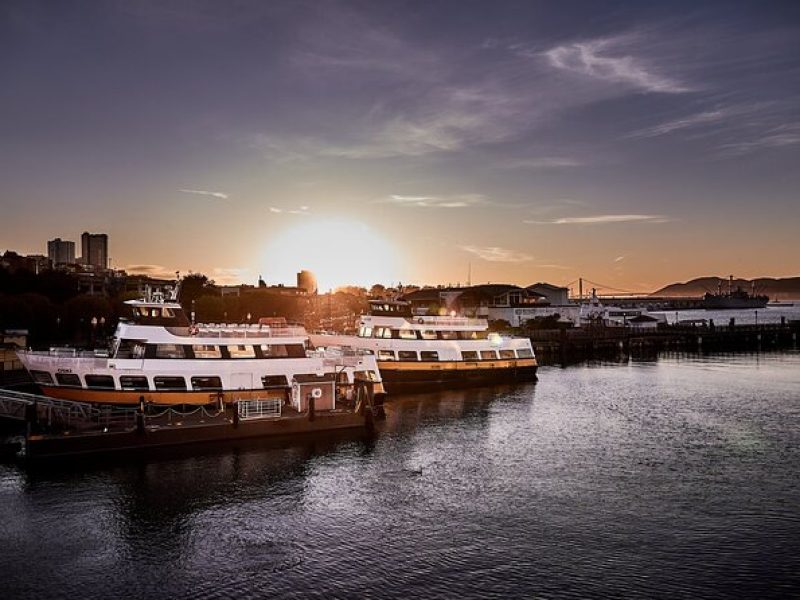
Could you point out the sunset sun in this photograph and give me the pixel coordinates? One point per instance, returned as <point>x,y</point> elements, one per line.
<point>337,251</point>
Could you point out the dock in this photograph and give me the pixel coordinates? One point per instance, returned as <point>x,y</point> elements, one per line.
<point>569,346</point>
<point>51,428</point>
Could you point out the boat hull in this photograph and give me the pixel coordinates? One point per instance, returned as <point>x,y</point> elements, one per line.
<point>160,398</point>
<point>401,377</point>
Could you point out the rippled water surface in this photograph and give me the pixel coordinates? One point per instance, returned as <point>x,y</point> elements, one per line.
<point>676,478</point>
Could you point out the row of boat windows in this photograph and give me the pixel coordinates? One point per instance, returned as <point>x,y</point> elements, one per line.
<point>428,355</point>
<point>141,383</point>
<point>420,334</point>
<point>140,349</point>
<point>167,382</point>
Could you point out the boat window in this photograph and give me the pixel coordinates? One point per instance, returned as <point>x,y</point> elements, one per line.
<point>42,377</point>
<point>408,334</point>
<point>133,382</point>
<point>100,382</point>
<point>429,355</point>
<point>428,334</point>
<point>365,332</point>
<point>274,350</point>
<point>385,355</point>
<point>242,351</point>
<point>170,351</point>
<point>468,335</point>
<point>274,381</point>
<point>169,383</point>
<point>130,349</point>
<point>206,383</point>
<point>296,350</point>
<point>449,335</point>
<point>206,351</point>
<point>382,332</point>
<point>525,353</point>
<point>167,313</point>
<point>488,354</point>
<point>507,354</point>
<point>469,355</point>
<point>407,355</point>
<point>68,379</point>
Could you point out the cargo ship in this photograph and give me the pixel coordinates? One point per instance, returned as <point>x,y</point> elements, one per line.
<point>733,298</point>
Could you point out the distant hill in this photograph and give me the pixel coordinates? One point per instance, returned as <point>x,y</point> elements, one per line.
<point>783,289</point>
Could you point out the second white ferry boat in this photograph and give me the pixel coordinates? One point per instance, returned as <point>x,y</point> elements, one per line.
<point>160,357</point>
<point>417,352</point>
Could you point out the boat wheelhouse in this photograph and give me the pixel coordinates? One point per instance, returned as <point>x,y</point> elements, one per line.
<point>424,352</point>
<point>160,357</point>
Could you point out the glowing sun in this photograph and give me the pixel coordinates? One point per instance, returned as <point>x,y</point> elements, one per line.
<point>338,251</point>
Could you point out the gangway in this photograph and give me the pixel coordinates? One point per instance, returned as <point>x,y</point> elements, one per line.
<point>63,414</point>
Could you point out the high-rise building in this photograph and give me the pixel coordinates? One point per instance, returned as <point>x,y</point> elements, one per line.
<point>307,281</point>
<point>61,252</point>
<point>94,249</point>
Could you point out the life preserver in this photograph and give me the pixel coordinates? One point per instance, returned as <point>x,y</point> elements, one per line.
<point>421,321</point>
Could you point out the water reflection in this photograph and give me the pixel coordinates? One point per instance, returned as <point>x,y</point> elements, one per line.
<point>676,477</point>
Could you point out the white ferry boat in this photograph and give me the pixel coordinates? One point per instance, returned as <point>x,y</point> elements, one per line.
<point>160,357</point>
<point>428,352</point>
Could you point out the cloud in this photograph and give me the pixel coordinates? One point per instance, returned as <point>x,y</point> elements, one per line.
<point>497,254</point>
<point>602,219</point>
<point>699,119</point>
<point>156,271</point>
<point>608,59</point>
<point>220,195</point>
<point>302,210</point>
<point>453,201</point>
<point>780,136</point>
<point>542,162</point>
<point>229,275</point>
<point>619,259</point>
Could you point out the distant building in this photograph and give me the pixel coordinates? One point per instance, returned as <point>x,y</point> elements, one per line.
<point>555,295</point>
<point>61,252</point>
<point>94,249</point>
<point>35,263</point>
<point>307,281</point>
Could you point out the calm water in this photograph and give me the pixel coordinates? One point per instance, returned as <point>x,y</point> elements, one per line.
<point>761,316</point>
<point>678,478</point>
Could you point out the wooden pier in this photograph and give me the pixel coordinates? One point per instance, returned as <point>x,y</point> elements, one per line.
<point>569,346</point>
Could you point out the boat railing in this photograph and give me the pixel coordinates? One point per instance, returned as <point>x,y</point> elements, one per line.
<point>449,321</point>
<point>248,331</point>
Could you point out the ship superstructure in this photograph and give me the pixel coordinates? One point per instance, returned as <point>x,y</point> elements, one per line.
<point>160,357</point>
<point>422,351</point>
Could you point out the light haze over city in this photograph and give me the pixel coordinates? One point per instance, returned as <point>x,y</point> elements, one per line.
<point>632,144</point>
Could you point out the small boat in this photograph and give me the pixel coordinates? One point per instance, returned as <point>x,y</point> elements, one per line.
<point>419,352</point>
<point>162,358</point>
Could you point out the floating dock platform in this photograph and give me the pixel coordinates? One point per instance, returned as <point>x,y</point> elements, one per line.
<point>57,428</point>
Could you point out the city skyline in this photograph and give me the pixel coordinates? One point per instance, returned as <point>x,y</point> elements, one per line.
<point>637,145</point>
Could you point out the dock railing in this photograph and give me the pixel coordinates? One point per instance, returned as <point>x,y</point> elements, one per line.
<point>260,408</point>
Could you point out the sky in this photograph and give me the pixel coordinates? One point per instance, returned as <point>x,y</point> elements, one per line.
<point>633,144</point>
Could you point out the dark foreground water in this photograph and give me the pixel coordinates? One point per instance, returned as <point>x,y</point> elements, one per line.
<point>672,479</point>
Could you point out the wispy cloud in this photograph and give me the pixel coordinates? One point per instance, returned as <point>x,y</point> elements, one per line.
<point>497,254</point>
<point>302,210</point>
<point>157,271</point>
<point>229,275</point>
<point>452,201</point>
<point>220,195</point>
<point>611,59</point>
<point>619,259</point>
<point>780,136</point>
<point>542,162</point>
<point>699,119</point>
<point>602,220</point>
